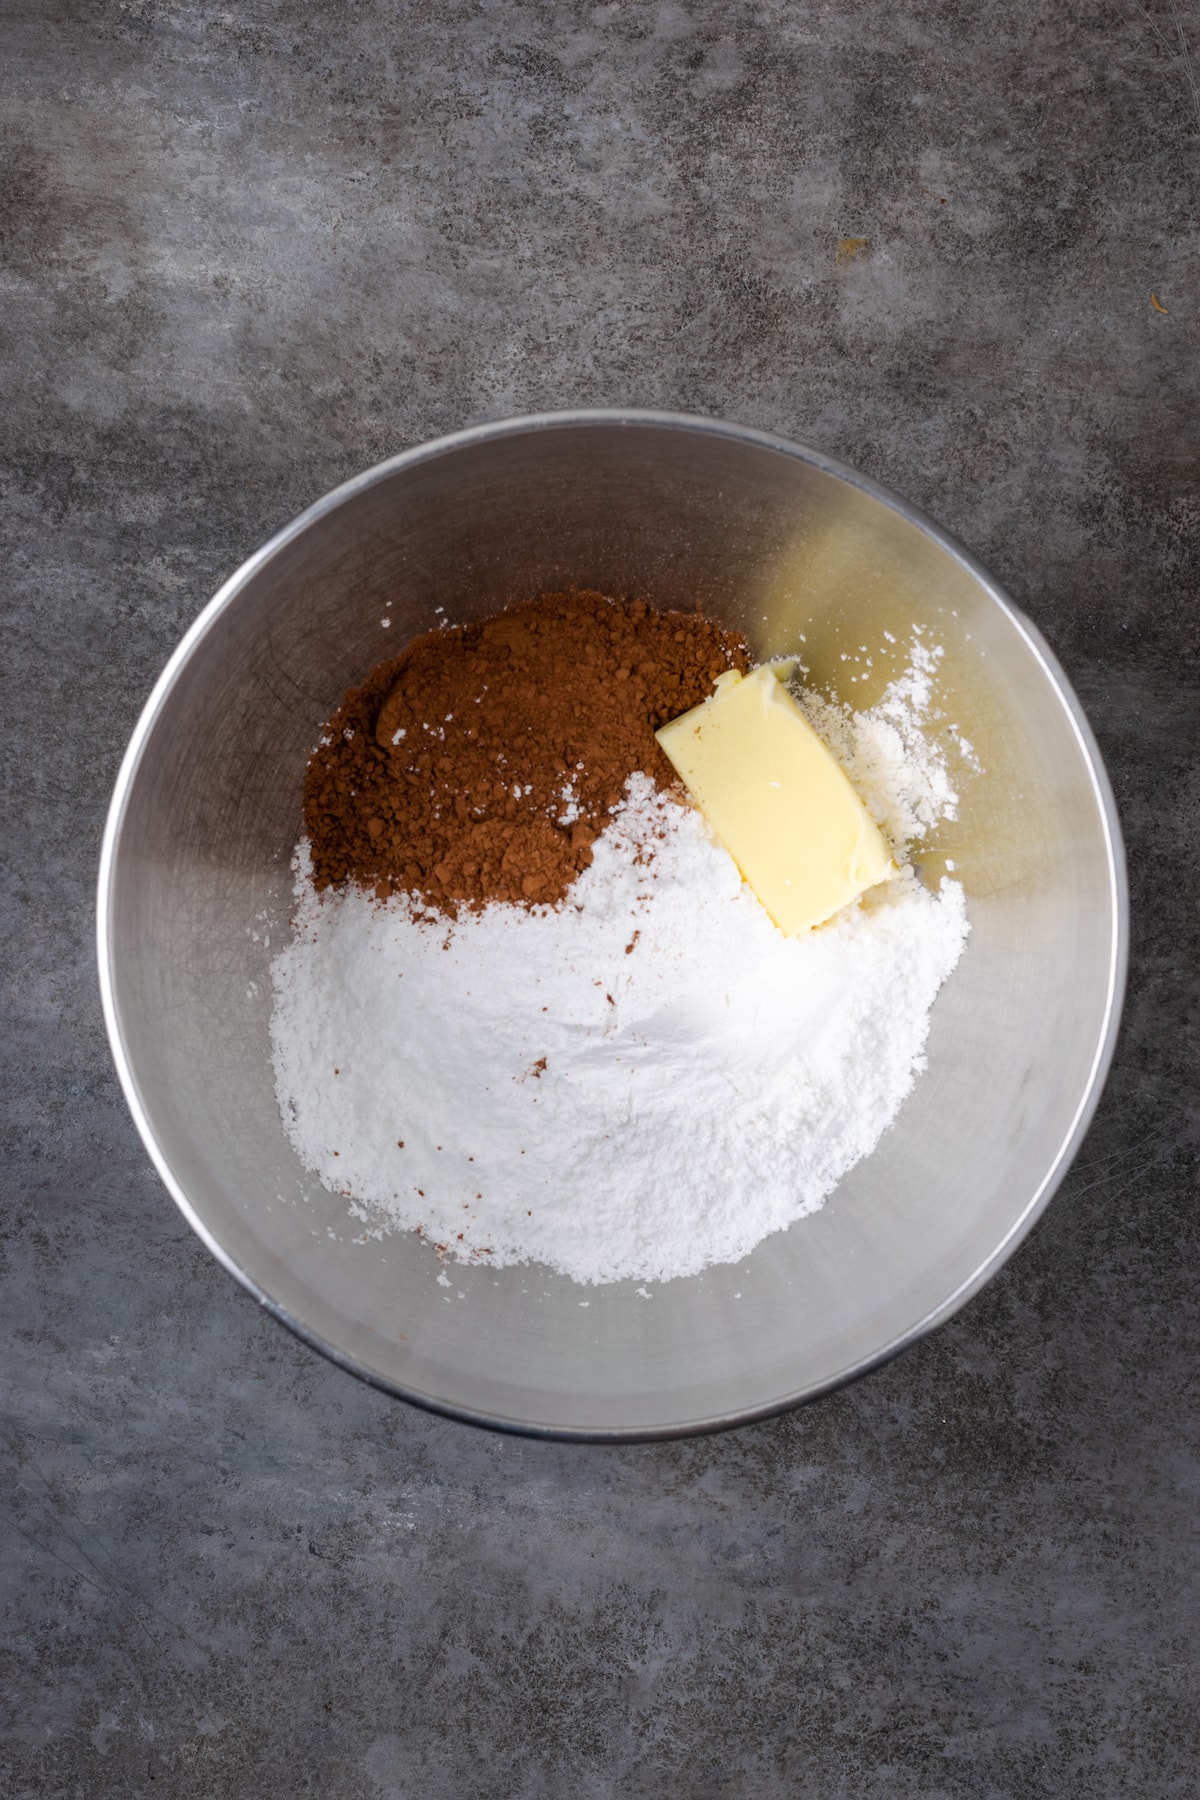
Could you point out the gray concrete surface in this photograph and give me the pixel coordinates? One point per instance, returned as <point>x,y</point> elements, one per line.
<point>248,251</point>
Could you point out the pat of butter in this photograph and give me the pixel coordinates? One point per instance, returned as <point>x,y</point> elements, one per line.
<point>776,798</point>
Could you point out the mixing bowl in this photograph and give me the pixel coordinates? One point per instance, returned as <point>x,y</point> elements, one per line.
<point>798,552</point>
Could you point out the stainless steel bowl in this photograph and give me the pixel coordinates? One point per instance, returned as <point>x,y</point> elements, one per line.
<point>774,539</point>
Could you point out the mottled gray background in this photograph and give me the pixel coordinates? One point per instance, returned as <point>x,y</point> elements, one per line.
<point>248,251</point>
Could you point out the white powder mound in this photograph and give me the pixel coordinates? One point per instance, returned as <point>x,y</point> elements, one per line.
<point>888,753</point>
<point>646,1081</point>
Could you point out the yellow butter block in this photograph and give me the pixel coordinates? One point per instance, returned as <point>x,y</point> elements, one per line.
<point>777,799</point>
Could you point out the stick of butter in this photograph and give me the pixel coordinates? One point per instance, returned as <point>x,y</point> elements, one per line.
<point>776,798</point>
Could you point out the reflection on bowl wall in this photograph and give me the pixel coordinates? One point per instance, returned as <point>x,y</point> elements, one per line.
<point>799,553</point>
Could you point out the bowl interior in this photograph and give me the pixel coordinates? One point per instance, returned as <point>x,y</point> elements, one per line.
<point>196,886</point>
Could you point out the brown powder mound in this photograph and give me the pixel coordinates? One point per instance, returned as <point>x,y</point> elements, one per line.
<point>446,773</point>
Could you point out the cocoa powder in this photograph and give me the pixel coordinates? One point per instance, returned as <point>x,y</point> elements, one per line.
<point>482,763</point>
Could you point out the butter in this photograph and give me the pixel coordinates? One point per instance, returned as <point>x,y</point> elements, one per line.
<point>776,799</point>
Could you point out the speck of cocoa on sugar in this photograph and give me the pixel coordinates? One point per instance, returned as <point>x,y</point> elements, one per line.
<point>444,774</point>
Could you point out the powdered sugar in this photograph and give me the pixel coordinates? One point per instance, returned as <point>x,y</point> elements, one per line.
<point>889,753</point>
<point>644,1081</point>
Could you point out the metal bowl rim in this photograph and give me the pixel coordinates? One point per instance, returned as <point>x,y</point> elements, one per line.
<point>616,417</point>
